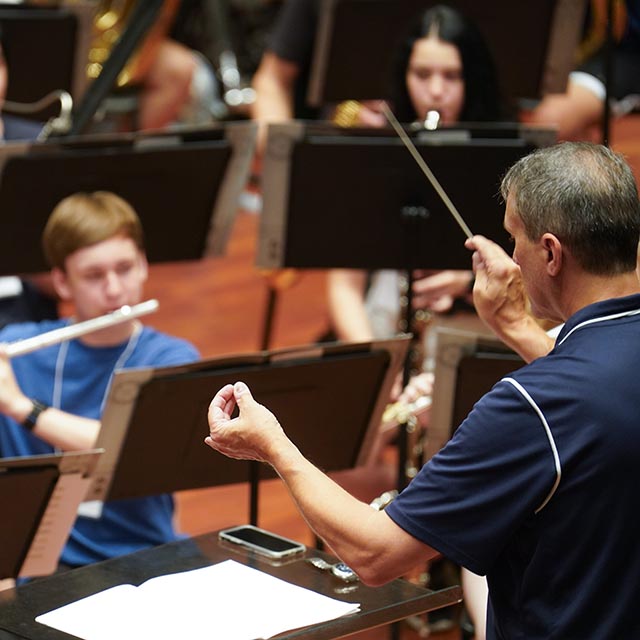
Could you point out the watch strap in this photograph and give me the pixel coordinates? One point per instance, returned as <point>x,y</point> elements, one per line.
<point>38,407</point>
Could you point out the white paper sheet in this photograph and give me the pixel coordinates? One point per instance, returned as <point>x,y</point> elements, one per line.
<point>227,600</point>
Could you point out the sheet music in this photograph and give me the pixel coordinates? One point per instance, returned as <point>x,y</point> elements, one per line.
<point>227,600</point>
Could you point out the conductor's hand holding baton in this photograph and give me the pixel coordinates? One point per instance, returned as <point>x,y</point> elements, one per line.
<point>501,301</point>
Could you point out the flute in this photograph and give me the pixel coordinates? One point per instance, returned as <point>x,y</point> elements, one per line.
<point>124,314</point>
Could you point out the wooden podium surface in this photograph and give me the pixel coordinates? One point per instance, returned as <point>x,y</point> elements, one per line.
<point>381,605</point>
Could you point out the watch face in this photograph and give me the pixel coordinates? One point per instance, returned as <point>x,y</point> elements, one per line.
<point>342,571</point>
<point>339,569</point>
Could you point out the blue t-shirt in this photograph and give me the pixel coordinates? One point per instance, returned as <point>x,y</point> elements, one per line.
<point>82,383</point>
<point>538,488</point>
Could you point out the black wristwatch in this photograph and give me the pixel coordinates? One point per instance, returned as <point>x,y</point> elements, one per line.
<point>38,407</point>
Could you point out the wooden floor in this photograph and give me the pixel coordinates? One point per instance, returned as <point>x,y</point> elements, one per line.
<point>219,304</point>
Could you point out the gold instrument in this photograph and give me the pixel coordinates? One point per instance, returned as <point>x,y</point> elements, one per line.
<point>346,113</point>
<point>415,415</point>
<point>596,30</point>
<point>401,412</point>
<point>108,24</point>
<point>124,314</point>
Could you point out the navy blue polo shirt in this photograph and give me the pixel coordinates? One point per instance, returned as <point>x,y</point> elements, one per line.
<point>539,488</point>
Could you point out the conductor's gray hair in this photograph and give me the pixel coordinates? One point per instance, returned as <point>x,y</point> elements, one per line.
<point>584,194</point>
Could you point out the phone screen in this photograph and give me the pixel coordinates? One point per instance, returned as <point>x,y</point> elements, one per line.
<point>262,539</point>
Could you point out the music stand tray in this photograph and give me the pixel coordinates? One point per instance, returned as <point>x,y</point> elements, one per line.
<point>184,186</point>
<point>355,198</point>
<point>329,399</point>
<point>39,498</point>
<point>532,44</point>
<point>378,605</point>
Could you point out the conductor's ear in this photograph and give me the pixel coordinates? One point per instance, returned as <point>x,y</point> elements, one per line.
<point>553,247</point>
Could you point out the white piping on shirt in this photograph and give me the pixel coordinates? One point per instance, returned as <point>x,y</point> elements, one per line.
<point>613,316</point>
<point>536,408</point>
<point>552,444</point>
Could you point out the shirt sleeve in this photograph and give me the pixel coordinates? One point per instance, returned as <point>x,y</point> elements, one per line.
<point>161,350</point>
<point>294,33</point>
<point>484,484</point>
<point>181,352</point>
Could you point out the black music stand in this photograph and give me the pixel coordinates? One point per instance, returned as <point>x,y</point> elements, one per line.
<point>184,185</point>
<point>39,497</point>
<point>533,44</point>
<point>355,198</point>
<point>325,186</point>
<point>160,415</point>
<point>46,49</point>
<point>467,365</point>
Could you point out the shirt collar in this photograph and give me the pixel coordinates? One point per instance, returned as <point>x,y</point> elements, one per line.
<point>606,309</point>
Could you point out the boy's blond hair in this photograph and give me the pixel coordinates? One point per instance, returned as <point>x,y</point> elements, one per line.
<point>84,219</point>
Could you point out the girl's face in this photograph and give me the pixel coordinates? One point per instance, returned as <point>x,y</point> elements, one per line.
<point>434,79</point>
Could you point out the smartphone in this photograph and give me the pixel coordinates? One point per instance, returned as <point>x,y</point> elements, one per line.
<point>261,541</point>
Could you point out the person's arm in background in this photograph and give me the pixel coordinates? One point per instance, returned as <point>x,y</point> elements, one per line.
<point>438,290</point>
<point>347,311</point>
<point>166,85</point>
<point>274,83</point>
<point>286,58</point>
<point>574,112</point>
<point>60,429</point>
<point>577,113</point>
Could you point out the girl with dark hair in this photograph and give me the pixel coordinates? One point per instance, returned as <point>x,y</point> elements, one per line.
<point>445,65</point>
